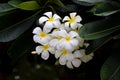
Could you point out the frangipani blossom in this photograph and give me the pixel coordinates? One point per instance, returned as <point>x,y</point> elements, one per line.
<point>61,39</point>
<point>85,58</point>
<point>50,20</point>
<point>73,21</point>
<point>44,51</point>
<point>55,41</point>
<point>69,40</point>
<point>63,55</point>
<point>75,61</point>
<point>41,36</point>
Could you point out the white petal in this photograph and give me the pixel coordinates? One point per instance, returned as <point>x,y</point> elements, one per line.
<point>73,34</point>
<point>48,26</point>
<point>69,56</point>
<point>86,58</point>
<point>52,50</point>
<point>53,42</point>
<point>45,40</point>
<point>68,46</point>
<point>78,54</point>
<point>43,19</point>
<point>81,41</point>
<point>39,49</point>
<point>73,14</point>
<point>82,51</point>
<point>73,25</point>
<point>78,18</point>
<point>49,14</point>
<point>66,18</point>
<point>56,23</point>
<point>37,30</point>
<point>55,33</point>
<point>74,42</point>
<point>36,38</point>
<point>57,54</point>
<point>67,24</point>
<point>62,60</point>
<point>46,29</point>
<point>55,16</point>
<point>63,33</point>
<point>76,62</point>
<point>69,65</point>
<point>45,55</point>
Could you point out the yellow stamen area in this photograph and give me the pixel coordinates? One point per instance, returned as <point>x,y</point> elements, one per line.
<point>42,34</point>
<point>72,20</point>
<point>59,37</point>
<point>45,47</point>
<point>76,30</point>
<point>68,38</point>
<point>51,19</point>
<point>64,52</point>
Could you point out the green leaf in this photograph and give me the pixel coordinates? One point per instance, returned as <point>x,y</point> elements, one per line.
<point>96,44</point>
<point>20,47</point>
<point>16,30</point>
<point>58,2</point>
<point>68,8</point>
<point>10,18</point>
<point>111,68</point>
<point>29,5</point>
<point>93,1</point>
<point>5,7</point>
<point>82,3</point>
<point>106,9</point>
<point>101,28</point>
<point>14,3</point>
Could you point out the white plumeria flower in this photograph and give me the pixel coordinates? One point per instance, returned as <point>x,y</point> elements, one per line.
<point>55,41</point>
<point>44,51</point>
<point>75,61</point>
<point>41,36</point>
<point>73,21</point>
<point>50,20</point>
<point>85,58</point>
<point>69,40</point>
<point>63,55</point>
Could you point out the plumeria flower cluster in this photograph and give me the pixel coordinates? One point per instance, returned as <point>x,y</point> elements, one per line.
<point>60,38</point>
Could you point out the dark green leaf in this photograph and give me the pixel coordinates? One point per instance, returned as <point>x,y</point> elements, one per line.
<point>20,47</point>
<point>6,13</point>
<point>82,3</point>
<point>96,44</point>
<point>111,68</point>
<point>29,5</point>
<point>14,3</point>
<point>98,29</point>
<point>5,7</point>
<point>59,3</point>
<point>106,9</point>
<point>68,8</point>
<point>93,1</point>
<point>16,30</point>
<point>10,18</point>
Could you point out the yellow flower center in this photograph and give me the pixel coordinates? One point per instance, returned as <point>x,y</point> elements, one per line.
<point>68,38</point>
<point>45,47</point>
<point>64,52</point>
<point>51,19</point>
<point>72,20</point>
<point>59,37</point>
<point>42,34</point>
